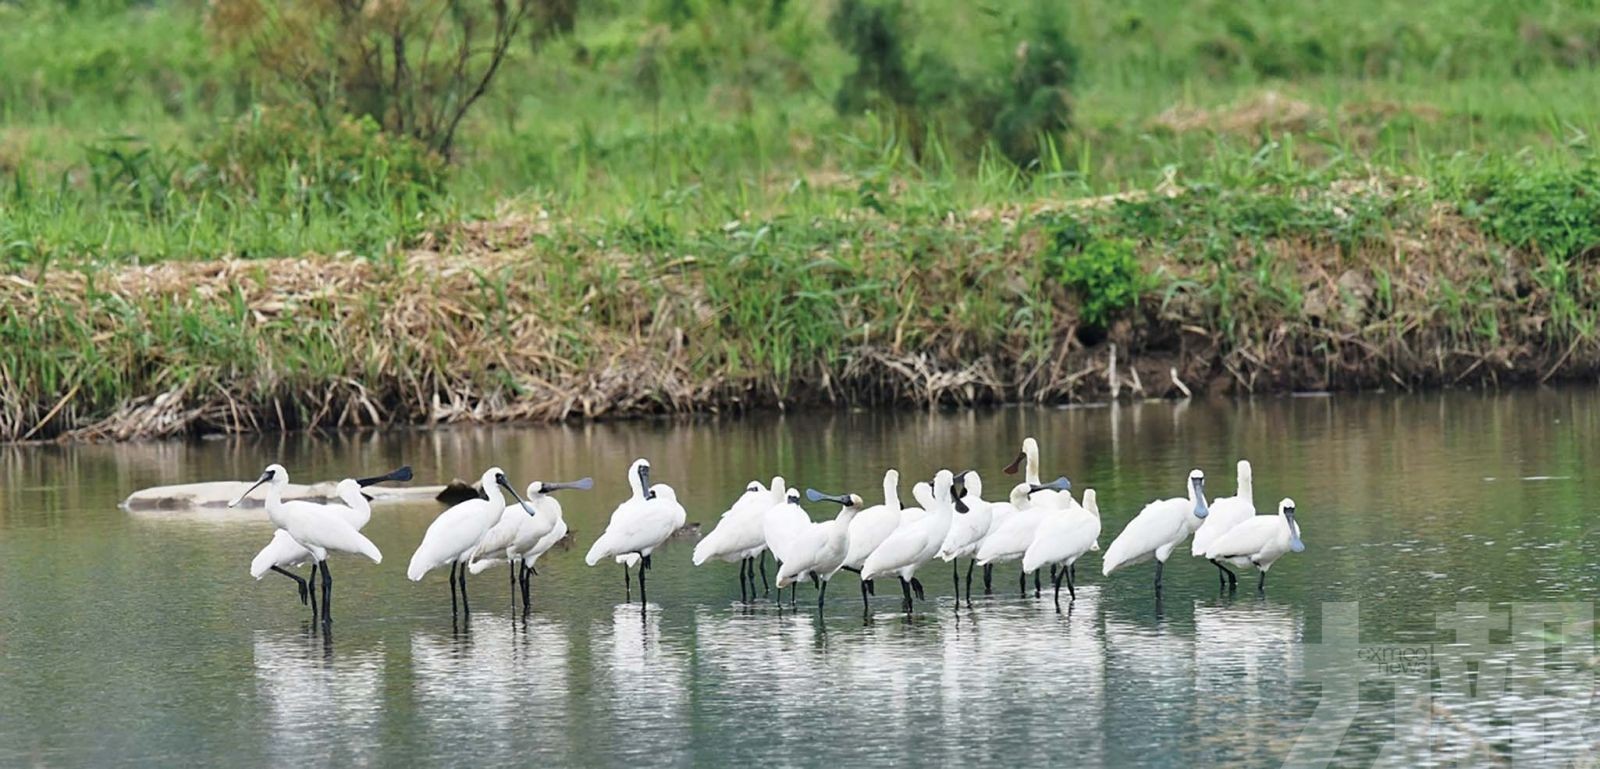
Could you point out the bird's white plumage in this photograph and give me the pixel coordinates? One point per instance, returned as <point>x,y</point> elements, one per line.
<point>916,540</point>
<point>968,529</point>
<point>870,527</point>
<point>517,534</point>
<point>642,522</point>
<point>819,548</point>
<point>284,552</point>
<point>1260,541</point>
<point>1065,535</point>
<point>1010,538</point>
<point>1030,476</point>
<point>740,534</point>
<point>454,535</point>
<point>315,527</point>
<point>1226,512</point>
<point>1159,528</point>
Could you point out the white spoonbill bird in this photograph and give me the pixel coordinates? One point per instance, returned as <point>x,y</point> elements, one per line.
<point>739,536</point>
<point>818,549</point>
<point>1224,514</point>
<point>873,525</point>
<point>453,537</point>
<point>915,542</point>
<point>1158,529</point>
<point>317,528</point>
<point>967,531</point>
<point>1010,541</point>
<point>283,551</point>
<point>1061,539</point>
<point>1029,461</point>
<point>639,525</point>
<point>1260,541</point>
<point>517,537</point>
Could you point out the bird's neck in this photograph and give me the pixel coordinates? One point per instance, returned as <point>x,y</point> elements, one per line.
<point>491,492</point>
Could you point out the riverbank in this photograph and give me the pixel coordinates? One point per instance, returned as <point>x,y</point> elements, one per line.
<point>1483,278</point>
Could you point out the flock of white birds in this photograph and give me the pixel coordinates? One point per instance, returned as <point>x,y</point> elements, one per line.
<point>1039,524</point>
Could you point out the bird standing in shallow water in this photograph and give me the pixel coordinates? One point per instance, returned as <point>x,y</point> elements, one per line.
<point>1260,541</point>
<point>1223,514</point>
<point>519,539</point>
<point>639,525</point>
<point>454,535</point>
<point>317,528</point>
<point>1158,529</point>
<point>283,551</point>
<point>739,535</point>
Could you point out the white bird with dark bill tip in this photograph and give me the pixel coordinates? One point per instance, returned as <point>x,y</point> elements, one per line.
<point>283,552</point>
<point>872,526</point>
<point>818,549</point>
<point>315,527</point>
<point>1028,460</point>
<point>1158,529</point>
<point>645,520</point>
<point>915,542</point>
<point>1223,514</point>
<point>453,537</point>
<point>739,536</point>
<point>517,535</point>
<point>1260,541</point>
<point>1062,538</point>
<point>1015,533</point>
<point>967,532</point>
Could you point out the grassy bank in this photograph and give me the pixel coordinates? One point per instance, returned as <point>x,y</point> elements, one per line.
<point>1299,283</point>
<point>669,209</point>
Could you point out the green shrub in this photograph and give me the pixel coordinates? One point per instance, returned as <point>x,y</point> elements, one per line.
<point>1104,274</point>
<point>1555,210</point>
<point>273,151</point>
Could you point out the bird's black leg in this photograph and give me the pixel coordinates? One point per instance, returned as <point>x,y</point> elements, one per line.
<point>955,577</point>
<point>327,595</point>
<point>822,593</point>
<point>453,611</point>
<point>916,587</point>
<point>905,588</point>
<point>311,588</point>
<point>743,564</point>
<point>766,589</point>
<point>527,588</point>
<point>865,607</point>
<point>794,587</point>
<point>970,563</point>
<point>1055,580</point>
<point>627,584</point>
<point>816,581</point>
<point>297,581</point>
<point>461,575</point>
<point>988,579</point>
<point>872,588</point>
<point>643,601</point>
<point>1159,564</point>
<point>1261,584</point>
<point>1022,583</point>
<point>1035,584</point>
<point>1072,577</point>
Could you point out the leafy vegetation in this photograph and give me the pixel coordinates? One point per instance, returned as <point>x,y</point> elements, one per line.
<point>691,204</point>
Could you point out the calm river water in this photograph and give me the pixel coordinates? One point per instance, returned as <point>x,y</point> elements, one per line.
<point>1439,613</point>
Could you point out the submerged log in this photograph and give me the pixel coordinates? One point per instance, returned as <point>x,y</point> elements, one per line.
<point>216,495</point>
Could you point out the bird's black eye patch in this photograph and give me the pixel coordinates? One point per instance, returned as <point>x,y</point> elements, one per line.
<point>753,487</point>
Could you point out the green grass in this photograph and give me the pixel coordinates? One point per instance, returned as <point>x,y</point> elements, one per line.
<point>1421,203</point>
<point>685,116</point>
